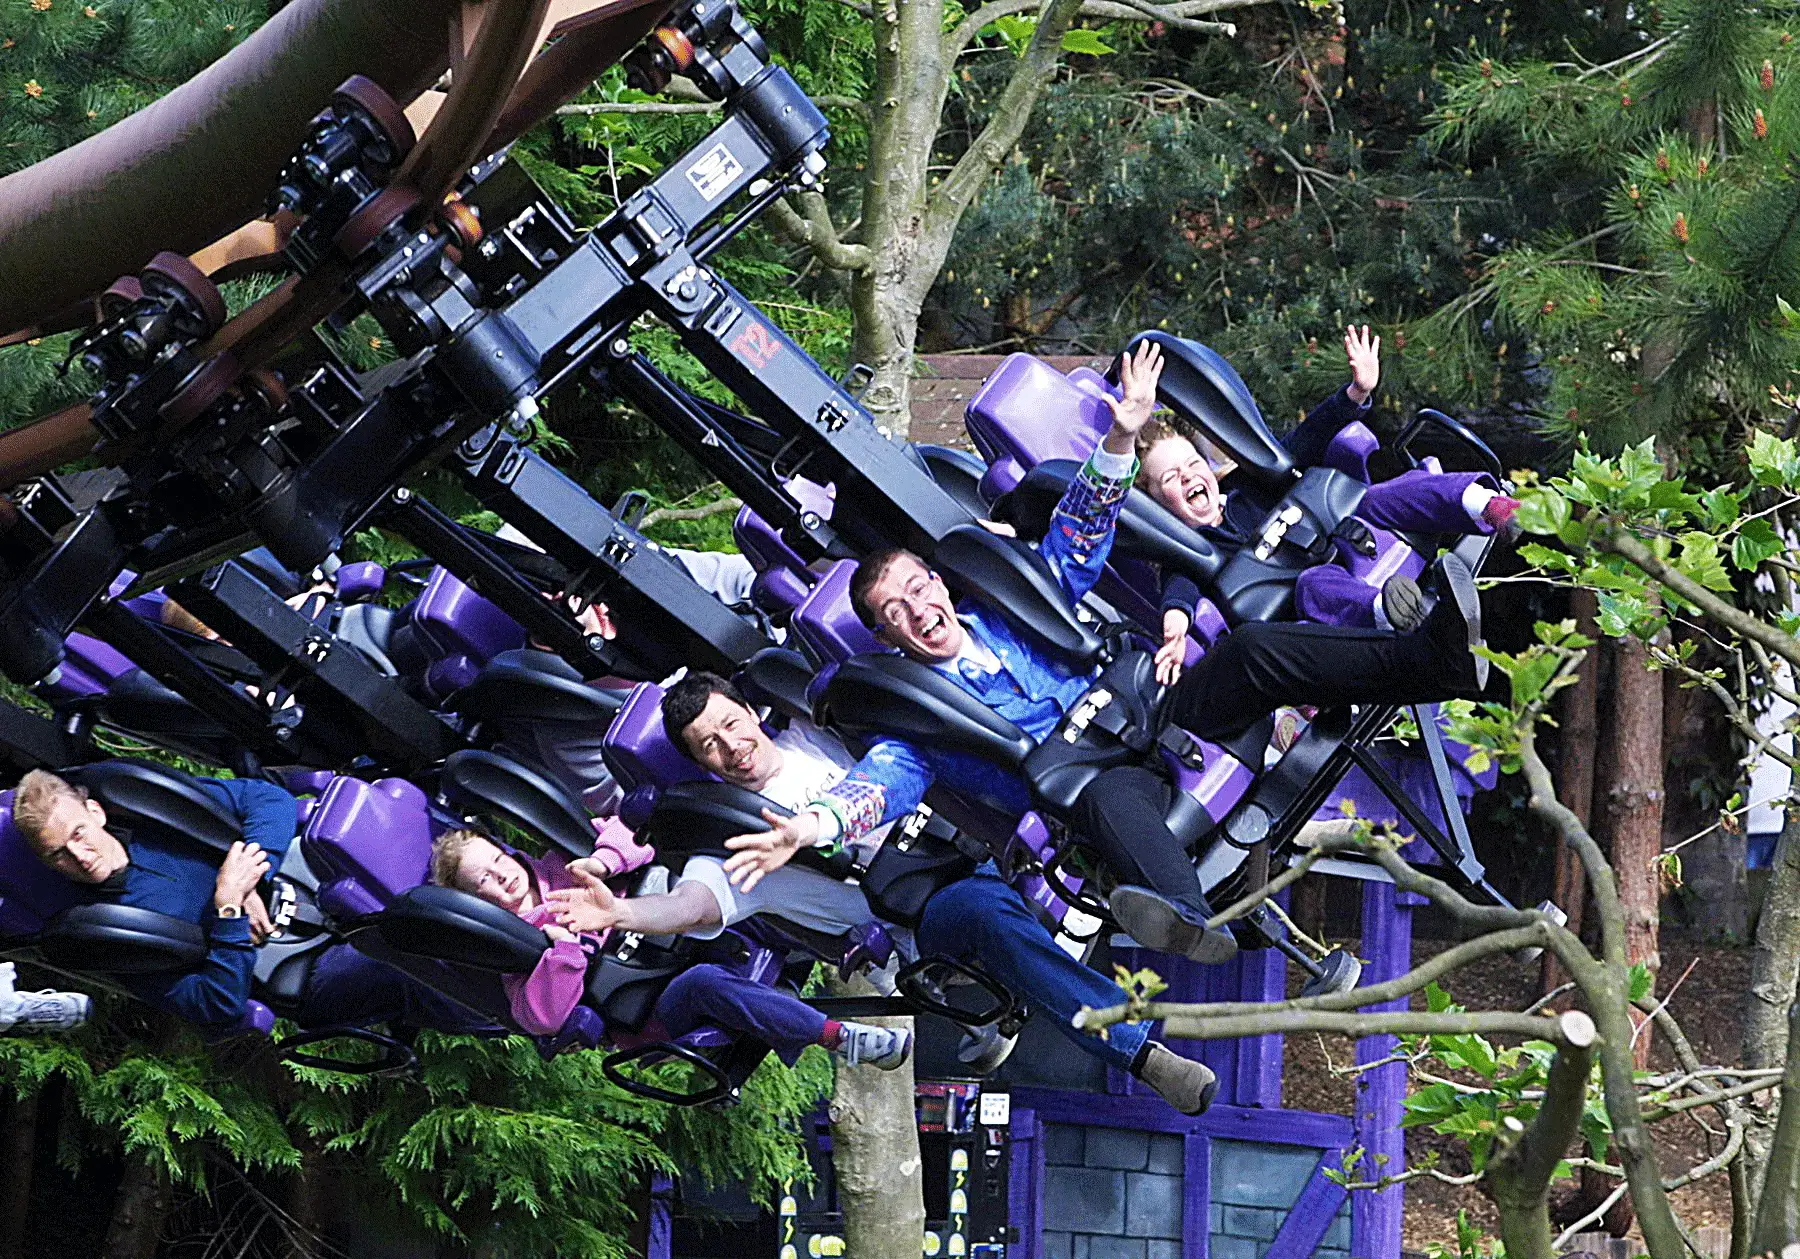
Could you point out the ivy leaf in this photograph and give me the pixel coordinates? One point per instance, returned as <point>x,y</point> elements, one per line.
<point>1086,42</point>
<point>1671,496</point>
<point>1543,511</point>
<point>1755,542</point>
<point>1722,508</point>
<point>1700,560</point>
<point>1773,460</point>
<point>1642,982</point>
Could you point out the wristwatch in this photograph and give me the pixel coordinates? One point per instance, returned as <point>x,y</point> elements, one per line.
<point>228,911</point>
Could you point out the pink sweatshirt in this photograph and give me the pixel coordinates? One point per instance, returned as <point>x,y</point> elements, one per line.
<point>544,999</point>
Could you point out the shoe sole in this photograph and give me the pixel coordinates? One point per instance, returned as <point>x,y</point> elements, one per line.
<point>1153,923</point>
<point>899,1059</point>
<point>984,1065</point>
<point>1460,586</point>
<point>1406,612</point>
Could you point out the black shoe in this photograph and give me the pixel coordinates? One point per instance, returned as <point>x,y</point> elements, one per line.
<point>1156,922</point>
<point>1454,626</point>
<point>1403,603</point>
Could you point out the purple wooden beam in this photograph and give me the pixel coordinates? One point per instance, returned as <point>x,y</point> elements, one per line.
<point>1375,1216</point>
<point>1152,1114</point>
<point>1312,1213</point>
<point>1025,1185</point>
<point>1196,1197</point>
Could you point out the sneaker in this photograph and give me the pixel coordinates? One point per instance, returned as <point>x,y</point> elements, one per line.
<point>50,1011</point>
<point>1454,626</point>
<point>983,1049</point>
<point>1403,603</point>
<point>863,1045</point>
<point>1186,1085</point>
<point>1156,922</point>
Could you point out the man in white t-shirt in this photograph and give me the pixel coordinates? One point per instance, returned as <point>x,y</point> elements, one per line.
<point>980,918</point>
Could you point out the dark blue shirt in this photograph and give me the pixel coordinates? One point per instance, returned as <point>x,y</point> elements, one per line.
<point>174,875</point>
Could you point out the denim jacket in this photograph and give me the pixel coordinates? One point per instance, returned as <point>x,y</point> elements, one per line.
<point>1032,689</point>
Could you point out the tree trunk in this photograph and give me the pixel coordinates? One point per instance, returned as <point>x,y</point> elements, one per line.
<point>18,1156</point>
<point>1575,777</point>
<point>1776,957</point>
<point>1635,803</point>
<point>138,1212</point>
<point>1778,1210</point>
<point>875,1153</point>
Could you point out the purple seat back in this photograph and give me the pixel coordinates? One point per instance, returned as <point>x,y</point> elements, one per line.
<point>368,842</point>
<point>1031,411</point>
<point>778,590</point>
<point>637,748</point>
<point>147,605</point>
<point>1002,476</point>
<point>359,582</point>
<point>88,668</point>
<point>764,547</point>
<point>1350,451</point>
<point>826,624</point>
<point>30,892</point>
<point>460,622</point>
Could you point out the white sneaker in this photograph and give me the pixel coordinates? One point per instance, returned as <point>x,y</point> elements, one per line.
<point>882,1047</point>
<point>50,1010</point>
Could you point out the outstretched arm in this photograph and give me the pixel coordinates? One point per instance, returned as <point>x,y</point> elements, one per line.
<point>593,907</point>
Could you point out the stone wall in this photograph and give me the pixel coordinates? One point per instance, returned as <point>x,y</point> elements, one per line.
<point>1117,1193</point>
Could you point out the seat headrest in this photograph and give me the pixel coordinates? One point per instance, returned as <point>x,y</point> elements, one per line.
<point>378,834</point>
<point>1199,385</point>
<point>112,939</point>
<point>459,621</point>
<point>136,793</point>
<point>695,817</point>
<point>87,668</point>
<point>1031,411</point>
<point>487,784</point>
<point>777,678</point>
<point>453,926</point>
<point>959,472</point>
<point>1009,577</point>
<point>30,892</point>
<point>825,623</point>
<point>511,688</point>
<point>1146,530</point>
<point>637,748</point>
<point>765,548</point>
<point>888,695</point>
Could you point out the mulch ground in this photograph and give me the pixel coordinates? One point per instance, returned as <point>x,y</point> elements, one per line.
<point>1707,1005</point>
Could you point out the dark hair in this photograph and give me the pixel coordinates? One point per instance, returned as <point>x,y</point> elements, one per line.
<point>683,703</point>
<point>869,571</point>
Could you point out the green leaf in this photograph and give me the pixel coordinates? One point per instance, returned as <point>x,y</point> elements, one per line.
<point>1089,43</point>
<point>1755,542</point>
<point>1642,982</point>
<point>1672,496</point>
<point>1789,316</point>
<point>1543,511</point>
<point>1699,559</point>
<point>1722,508</point>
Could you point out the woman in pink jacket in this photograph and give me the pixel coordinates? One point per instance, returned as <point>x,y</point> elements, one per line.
<point>703,995</point>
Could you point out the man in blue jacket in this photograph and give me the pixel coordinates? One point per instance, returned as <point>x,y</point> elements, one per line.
<point>159,869</point>
<point>1253,671</point>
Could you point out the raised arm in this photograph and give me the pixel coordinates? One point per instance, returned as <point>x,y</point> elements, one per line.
<point>1081,530</point>
<point>1307,443</point>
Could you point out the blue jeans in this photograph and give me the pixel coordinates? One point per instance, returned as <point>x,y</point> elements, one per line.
<point>711,995</point>
<point>351,989</point>
<point>982,919</point>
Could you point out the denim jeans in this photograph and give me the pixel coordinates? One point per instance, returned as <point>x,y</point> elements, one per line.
<point>982,919</point>
<point>706,995</point>
<point>351,989</point>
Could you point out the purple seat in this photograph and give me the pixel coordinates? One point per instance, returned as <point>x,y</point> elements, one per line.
<point>88,669</point>
<point>826,625</point>
<point>763,546</point>
<point>368,842</point>
<point>1028,410</point>
<point>637,748</point>
<point>457,621</point>
<point>30,892</point>
<point>359,582</point>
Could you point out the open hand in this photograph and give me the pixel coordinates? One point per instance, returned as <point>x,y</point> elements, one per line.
<point>1138,373</point>
<point>1173,652</point>
<point>1364,350</point>
<point>767,851</point>
<point>590,907</point>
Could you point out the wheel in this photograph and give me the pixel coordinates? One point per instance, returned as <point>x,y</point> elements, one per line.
<point>461,221</point>
<point>123,293</point>
<point>372,220</point>
<point>203,387</point>
<point>1338,972</point>
<point>171,272</point>
<point>368,98</point>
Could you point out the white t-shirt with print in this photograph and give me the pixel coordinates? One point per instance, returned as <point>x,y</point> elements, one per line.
<point>812,760</point>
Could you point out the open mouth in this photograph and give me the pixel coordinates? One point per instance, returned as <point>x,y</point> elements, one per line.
<point>1199,492</point>
<point>933,624</point>
<point>743,763</point>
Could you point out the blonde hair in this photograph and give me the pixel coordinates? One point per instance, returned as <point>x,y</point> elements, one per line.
<point>447,854</point>
<point>1161,428</point>
<point>36,798</point>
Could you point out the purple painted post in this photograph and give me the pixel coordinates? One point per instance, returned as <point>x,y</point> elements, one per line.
<point>662,1226</point>
<point>1025,1185</point>
<point>1196,1204</point>
<point>1375,1216</point>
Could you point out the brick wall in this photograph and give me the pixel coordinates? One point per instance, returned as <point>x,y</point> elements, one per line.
<point>1116,1193</point>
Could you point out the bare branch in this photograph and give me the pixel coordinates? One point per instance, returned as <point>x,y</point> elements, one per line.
<point>695,107</point>
<point>713,508</point>
<point>1180,15</point>
<point>811,226</point>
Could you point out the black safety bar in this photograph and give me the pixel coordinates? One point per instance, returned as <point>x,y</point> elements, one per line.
<point>1456,429</point>
<point>396,1058</point>
<point>612,1067</point>
<point>922,983</point>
